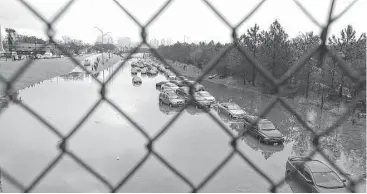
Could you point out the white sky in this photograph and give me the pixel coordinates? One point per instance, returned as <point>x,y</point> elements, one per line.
<point>182,17</point>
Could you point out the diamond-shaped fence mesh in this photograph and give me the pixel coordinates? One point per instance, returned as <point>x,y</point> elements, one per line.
<point>277,84</point>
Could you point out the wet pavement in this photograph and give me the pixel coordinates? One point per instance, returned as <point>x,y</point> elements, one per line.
<point>194,144</point>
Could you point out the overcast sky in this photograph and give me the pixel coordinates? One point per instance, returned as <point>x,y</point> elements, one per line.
<point>190,18</point>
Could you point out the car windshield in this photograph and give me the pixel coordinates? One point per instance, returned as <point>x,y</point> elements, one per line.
<point>266,126</point>
<point>233,107</point>
<point>327,179</point>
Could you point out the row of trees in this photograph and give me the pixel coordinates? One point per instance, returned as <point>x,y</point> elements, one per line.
<point>277,53</point>
<point>71,45</point>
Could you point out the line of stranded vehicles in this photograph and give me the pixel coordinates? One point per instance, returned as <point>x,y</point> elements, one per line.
<point>175,92</point>
<point>312,175</point>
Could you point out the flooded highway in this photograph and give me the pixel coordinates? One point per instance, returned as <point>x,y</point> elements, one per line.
<point>194,144</point>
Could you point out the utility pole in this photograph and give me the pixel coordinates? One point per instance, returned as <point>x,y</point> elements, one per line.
<point>109,45</point>
<point>103,34</point>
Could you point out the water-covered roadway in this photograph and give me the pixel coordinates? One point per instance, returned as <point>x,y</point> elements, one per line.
<point>194,144</point>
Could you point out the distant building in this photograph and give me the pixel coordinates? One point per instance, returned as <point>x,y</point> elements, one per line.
<point>124,42</point>
<point>154,43</point>
<point>169,41</point>
<point>163,42</point>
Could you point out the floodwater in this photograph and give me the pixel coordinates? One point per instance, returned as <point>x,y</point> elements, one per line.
<point>194,144</point>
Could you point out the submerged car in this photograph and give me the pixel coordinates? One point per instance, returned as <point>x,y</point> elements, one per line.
<point>172,77</point>
<point>169,110</point>
<point>86,62</point>
<point>171,98</point>
<point>206,95</point>
<point>152,72</point>
<point>143,71</point>
<point>169,85</point>
<point>184,92</point>
<point>264,130</point>
<point>232,110</point>
<point>201,102</point>
<point>134,71</point>
<point>182,78</point>
<point>314,176</point>
<point>256,145</point>
<point>161,68</point>
<point>178,82</point>
<point>136,80</point>
<point>193,110</point>
<point>196,86</point>
<point>159,84</point>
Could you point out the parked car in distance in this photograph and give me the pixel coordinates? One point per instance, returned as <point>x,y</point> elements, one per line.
<point>201,102</point>
<point>178,82</point>
<point>86,62</point>
<point>143,71</point>
<point>167,72</point>
<point>152,72</point>
<point>136,80</point>
<point>182,78</point>
<point>159,84</point>
<point>39,56</point>
<point>264,130</point>
<point>172,77</point>
<point>362,115</point>
<point>171,98</point>
<point>232,110</point>
<point>184,92</point>
<point>166,109</point>
<point>197,87</point>
<point>168,90</point>
<point>207,96</point>
<point>134,71</point>
<point>314,176</point>
<point>212,76</point>
<point>47,55</point>
<point>169,85</point>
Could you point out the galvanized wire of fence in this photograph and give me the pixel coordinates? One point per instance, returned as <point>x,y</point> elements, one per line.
<point>277,84</point>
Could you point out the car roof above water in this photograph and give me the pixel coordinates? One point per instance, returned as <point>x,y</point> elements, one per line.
<point>136,78</point>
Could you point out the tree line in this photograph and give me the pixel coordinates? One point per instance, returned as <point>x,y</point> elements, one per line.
<point>68,44</point>
<point>276,52</point>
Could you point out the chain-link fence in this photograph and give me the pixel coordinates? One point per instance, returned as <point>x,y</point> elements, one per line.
<point>277,84</point>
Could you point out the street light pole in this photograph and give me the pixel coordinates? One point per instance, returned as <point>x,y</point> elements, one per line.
<point>103,34</point>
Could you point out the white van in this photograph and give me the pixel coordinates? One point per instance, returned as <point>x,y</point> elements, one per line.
<point>47,55</point>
